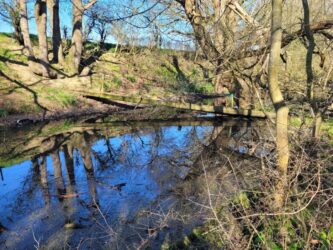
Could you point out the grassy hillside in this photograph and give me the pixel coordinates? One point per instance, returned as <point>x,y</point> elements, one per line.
<point>136,71</point>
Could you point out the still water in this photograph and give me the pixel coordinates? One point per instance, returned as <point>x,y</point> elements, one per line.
<point>108,185</point>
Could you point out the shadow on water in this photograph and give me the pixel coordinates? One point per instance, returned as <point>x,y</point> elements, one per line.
<point>115,185</point>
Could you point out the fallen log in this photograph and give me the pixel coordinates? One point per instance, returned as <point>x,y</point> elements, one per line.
<point>182,105</point>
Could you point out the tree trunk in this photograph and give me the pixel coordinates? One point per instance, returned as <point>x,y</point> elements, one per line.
<point>68,153</point>
<point>282,110</point>
<point>77,36</point>
<point>309,71</point>
<point>311,47</point>
<point>33,64</point>
<point>58,178</point>
<point>111,98</point>
<point>243,93</point>
<point>317,125</point>
<point>223,84</point>
<point>53,7</point>
<point>25,29</point>
<point>89,169</point>
<point>44,181</point>
<point>41,19</point>
<point>18,33</point>
<point>225,23</point>
<point>75,53</point>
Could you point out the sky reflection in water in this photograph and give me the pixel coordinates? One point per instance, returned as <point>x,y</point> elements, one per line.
<point>119,174</point>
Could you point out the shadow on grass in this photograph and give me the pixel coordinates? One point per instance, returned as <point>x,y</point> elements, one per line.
<point>8,60</point>
<point>34,94</point>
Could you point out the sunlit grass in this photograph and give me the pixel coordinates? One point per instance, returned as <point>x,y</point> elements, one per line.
<point>327,127</point>
<point>296,122</point>
<point>59,96</point>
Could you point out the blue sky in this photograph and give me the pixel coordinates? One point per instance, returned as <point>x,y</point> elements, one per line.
<point>65,14</point>
<point>116,9</point>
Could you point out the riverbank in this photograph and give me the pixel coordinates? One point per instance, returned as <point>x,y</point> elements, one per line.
<point>139,72</point>
<point>142,73</point>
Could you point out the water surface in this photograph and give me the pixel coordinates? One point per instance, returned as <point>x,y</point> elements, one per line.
<point>106,185</point>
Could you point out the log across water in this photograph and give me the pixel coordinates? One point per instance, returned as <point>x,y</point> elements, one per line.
<point>182,105</point>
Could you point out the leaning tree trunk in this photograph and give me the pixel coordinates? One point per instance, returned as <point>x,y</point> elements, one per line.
<point>53,7</point>
<point>282,110</point>
<point>41,19</point>
<point>309,71</point>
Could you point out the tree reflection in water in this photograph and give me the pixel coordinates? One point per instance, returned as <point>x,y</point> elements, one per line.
<point>97,181</point>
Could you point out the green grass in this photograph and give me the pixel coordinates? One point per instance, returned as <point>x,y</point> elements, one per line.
<point>4,37</point>
<point>56,95</point>
<point>113,67</point>
<point>327,127</point>
<point>296,122</point>
<point>11,55</point>
<point>2,66</point>
<point>131,78</point>
<point>206,88</point>
<point>117,81</point>
<point>89,45</point>
<point>114,83</point>
<point>242,200</point>
<point>166,74</point>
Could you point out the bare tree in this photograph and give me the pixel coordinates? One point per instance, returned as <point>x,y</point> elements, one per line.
<point>103,31</point>
<point>96,22</point>
<point>118,32</point>
<point>282,110</point>
<point>10,12</point>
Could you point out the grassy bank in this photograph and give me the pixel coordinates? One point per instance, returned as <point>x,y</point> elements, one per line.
<point>139,71</point>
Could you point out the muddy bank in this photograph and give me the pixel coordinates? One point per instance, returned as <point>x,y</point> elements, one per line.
<point>19,120</point>
<point>119,111</point>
